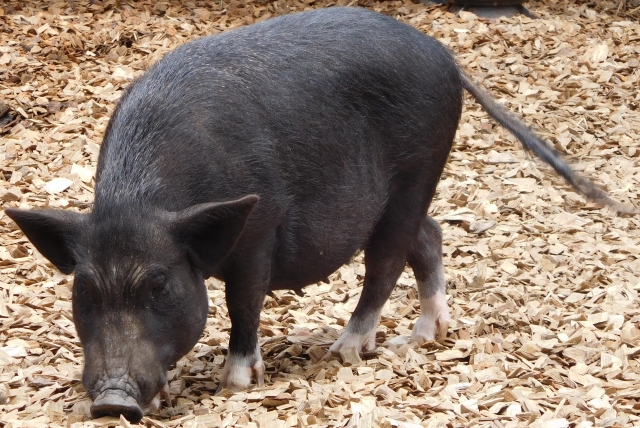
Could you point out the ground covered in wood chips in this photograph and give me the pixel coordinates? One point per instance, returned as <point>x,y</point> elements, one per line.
<point>543,286</point>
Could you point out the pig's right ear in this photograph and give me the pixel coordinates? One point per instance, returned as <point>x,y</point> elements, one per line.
<point>209,231</point>
<point>51,232</point>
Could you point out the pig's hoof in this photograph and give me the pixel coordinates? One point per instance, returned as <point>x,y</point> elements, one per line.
<point>237,374</point>
<point>431,327</point>
<point>362,342</point>
<point>434,319</point>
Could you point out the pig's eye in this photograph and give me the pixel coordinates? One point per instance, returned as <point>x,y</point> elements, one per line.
<point>158,285</point>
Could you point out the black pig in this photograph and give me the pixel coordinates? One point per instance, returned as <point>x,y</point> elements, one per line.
<point>265,157</point>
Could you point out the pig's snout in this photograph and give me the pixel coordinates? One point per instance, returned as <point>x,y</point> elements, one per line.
<point>115,396</point>
<point>116,401</point>
<point>113,402</point>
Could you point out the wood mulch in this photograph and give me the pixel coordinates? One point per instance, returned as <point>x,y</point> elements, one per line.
<point>543,285</point>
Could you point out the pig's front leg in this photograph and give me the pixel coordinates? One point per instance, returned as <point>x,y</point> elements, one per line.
<point>246,287</point>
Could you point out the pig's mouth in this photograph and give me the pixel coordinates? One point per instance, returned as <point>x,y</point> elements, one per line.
<point>116,402</point>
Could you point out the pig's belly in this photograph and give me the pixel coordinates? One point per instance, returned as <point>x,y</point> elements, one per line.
<point>312,248</point>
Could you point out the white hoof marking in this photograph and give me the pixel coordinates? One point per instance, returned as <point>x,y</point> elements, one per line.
<point>238,371</point>
<point>434,319</point>
<point>362,342</point>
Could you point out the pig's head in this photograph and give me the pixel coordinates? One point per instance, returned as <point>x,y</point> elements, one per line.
<point>139,300</point>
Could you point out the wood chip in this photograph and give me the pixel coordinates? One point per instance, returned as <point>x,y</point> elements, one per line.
<point>350,356</point>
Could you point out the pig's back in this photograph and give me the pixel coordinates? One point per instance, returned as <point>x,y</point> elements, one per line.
<point>315,112</point>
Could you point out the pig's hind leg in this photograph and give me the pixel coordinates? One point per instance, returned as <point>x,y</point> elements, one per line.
<point>385,257</point>
<point>425,258</point>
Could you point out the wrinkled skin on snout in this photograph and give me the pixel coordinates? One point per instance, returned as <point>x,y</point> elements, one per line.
<point>139,299</point>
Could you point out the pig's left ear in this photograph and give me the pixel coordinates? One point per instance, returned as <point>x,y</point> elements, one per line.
<point>210,230</point>
<point>52,232</point>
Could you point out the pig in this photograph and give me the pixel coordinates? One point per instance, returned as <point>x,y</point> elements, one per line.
<point>265,157</point>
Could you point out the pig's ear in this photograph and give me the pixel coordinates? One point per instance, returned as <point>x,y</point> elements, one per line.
<point>51,232</point>
<point>210,230</point>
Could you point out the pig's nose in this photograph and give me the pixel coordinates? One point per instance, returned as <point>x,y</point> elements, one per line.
<point>116,403</point>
